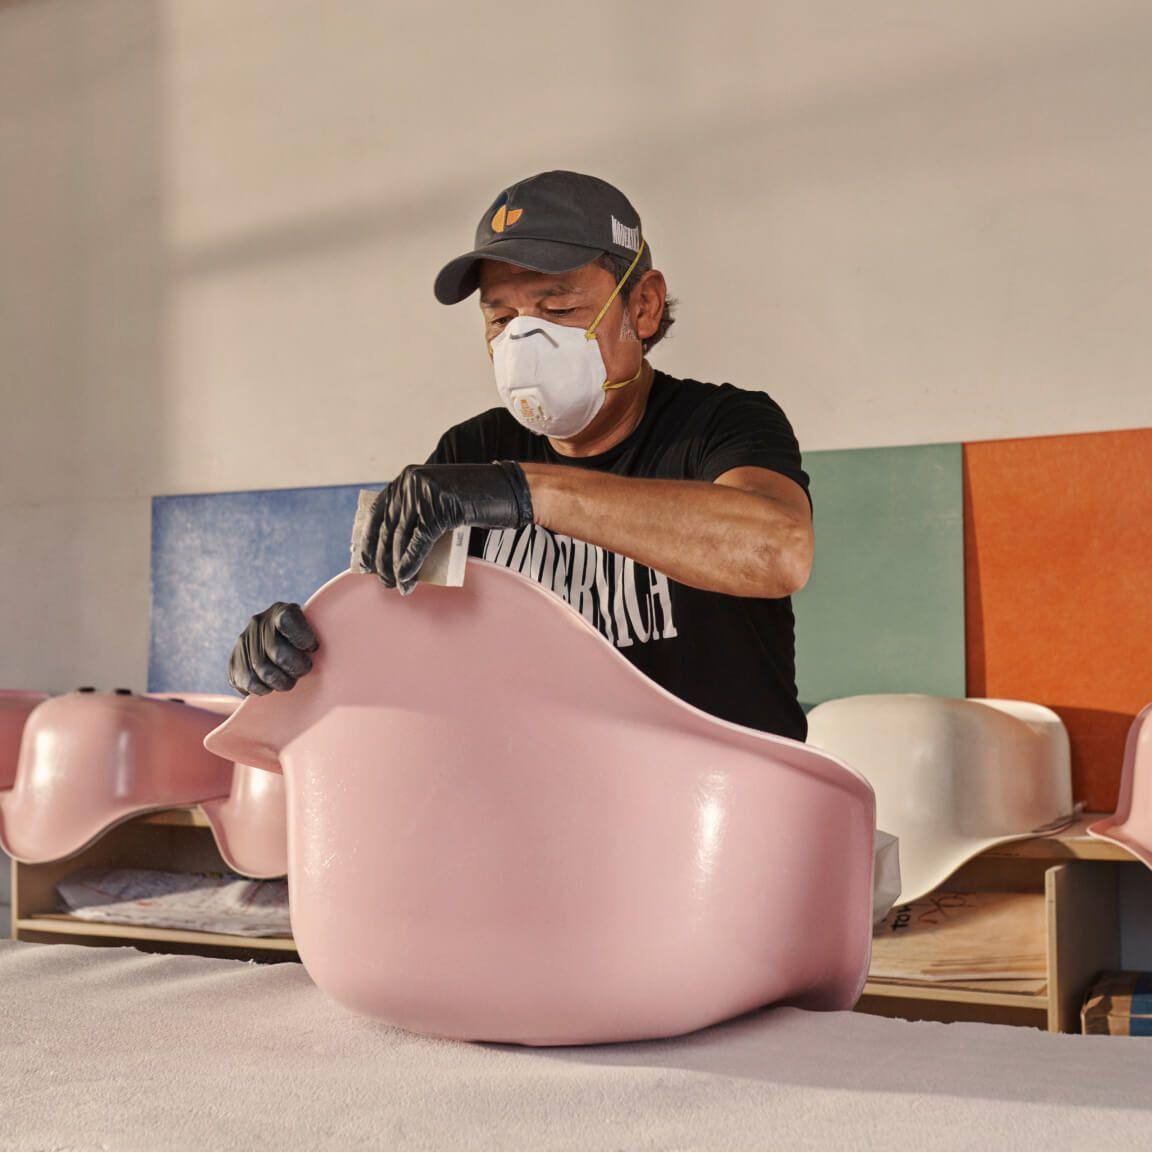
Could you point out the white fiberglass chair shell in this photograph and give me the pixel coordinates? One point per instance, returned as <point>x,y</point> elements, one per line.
<point>952,776</point>
<point>500,830</point>
<point>1131,825</point>
<point>91,760</point>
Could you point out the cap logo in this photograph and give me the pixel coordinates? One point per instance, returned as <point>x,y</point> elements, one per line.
<point>624,236</point>
<point>505,218</point>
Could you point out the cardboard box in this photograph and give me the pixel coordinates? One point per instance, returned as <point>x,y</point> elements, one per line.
<point>1119,1004</point>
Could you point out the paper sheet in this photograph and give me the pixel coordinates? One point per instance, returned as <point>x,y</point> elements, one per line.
<point>885,874</point>
<point>201,902</point>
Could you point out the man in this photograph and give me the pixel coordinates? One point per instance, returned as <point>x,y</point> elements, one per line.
<point>673,514</point>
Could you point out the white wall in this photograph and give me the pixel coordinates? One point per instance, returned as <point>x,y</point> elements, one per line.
<point>909,221</point>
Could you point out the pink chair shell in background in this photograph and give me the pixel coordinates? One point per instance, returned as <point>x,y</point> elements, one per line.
<point>221,703</point>
<point>500,830</point>
<point>16,706</point>
<point>90,760</point>
<point>250,824</point>
<point>1131,825</point>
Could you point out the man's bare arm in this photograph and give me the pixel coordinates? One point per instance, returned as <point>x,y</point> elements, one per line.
<point>747,534</point>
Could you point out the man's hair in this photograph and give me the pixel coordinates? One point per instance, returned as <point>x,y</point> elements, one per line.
<point>618,266</point>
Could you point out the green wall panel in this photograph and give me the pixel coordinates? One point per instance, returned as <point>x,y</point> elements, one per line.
<point>883,611</point>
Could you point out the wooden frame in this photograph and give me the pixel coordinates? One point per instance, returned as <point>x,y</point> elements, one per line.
<point>179,840</point>
<point>1073,874</point>
<point>1076,877</point>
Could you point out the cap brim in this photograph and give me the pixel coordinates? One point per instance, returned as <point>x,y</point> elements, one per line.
<point>459,278</point>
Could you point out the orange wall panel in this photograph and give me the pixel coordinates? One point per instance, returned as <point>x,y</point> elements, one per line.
<point>1058,587</point>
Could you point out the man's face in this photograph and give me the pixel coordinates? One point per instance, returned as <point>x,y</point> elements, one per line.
<point>569,298</point>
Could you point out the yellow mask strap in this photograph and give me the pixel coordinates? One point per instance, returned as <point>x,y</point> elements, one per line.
<point>590,333</point>
<point>606,386</point>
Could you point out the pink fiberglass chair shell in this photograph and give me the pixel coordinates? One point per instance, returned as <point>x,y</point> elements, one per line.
<point>500,830</point>
<point>1131,825</point>
<point>250,824</point>
<point>91,760</point>
<point>16,705</point>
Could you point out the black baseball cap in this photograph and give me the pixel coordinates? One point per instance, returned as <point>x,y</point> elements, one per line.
<point>551,222</point>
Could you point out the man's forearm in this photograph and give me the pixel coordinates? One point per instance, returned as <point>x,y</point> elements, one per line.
<point>709,536</point>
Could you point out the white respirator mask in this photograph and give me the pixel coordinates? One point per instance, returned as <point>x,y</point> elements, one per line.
<point>552,376</point>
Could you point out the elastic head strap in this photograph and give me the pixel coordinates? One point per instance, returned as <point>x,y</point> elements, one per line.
<point>590,333</point>
<point>624,383</point>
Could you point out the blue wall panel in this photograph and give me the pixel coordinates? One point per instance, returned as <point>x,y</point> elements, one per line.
<point>217,558</point>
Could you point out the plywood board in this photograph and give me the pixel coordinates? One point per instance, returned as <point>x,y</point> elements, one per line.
<point>962,936</point>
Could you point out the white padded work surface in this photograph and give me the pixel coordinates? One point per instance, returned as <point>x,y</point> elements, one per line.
<point>111,1048</point>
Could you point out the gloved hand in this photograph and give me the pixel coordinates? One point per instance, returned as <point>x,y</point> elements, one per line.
<point>428,500</point>
<point>272,652</point>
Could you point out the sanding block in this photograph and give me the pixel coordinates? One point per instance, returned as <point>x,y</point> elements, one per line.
<point>444,565</point>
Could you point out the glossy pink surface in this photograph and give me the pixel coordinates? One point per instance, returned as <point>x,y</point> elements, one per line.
<point>90,760</point>
<point>500,830</point>
<point>250,824</point>
<point>1131,824</point>
<point>15,707</point>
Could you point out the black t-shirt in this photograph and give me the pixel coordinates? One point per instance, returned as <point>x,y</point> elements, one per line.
<point>733,657</point>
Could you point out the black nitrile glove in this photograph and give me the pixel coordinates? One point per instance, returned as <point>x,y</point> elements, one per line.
<point>428,500</point>
<point>272,652</point>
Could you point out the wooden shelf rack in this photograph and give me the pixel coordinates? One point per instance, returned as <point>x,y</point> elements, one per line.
<point>1074,875</point>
